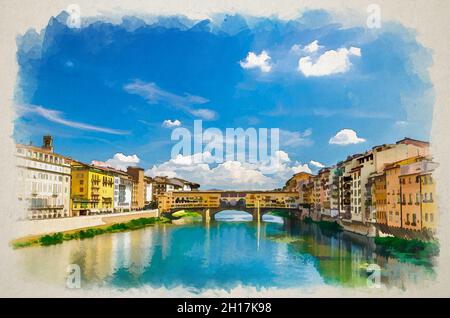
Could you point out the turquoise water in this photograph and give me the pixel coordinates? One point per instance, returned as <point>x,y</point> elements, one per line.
<point>224,253</point>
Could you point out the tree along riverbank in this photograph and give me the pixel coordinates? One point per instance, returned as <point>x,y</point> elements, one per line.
<point>60,237</point>
<point>406,249</point>
<point>400,248</point>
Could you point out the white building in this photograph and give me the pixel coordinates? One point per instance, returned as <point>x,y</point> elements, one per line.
<point>148,192</point>
<point>123,190</point>
<point>44,181</point>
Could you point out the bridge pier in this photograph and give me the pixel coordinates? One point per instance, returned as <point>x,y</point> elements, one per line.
<point>207,215</point>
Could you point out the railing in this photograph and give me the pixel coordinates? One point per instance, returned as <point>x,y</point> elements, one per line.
<point>47,207</point>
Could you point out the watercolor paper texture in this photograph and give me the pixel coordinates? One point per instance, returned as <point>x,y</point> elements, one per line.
<point>224,149</point>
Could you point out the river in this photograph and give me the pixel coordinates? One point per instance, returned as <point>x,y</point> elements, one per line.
<point>228,251</point>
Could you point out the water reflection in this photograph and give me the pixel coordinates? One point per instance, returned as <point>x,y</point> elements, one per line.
<point>223,253</point>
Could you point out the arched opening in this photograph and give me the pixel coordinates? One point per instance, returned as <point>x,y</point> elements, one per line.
<point>233,216</point>
<point>272,218</point>
<point>244,216</point>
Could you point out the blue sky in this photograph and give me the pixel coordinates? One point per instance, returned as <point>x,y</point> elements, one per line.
<point>106,89</point>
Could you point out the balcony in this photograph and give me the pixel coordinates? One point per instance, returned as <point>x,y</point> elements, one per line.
<point>47,207</point>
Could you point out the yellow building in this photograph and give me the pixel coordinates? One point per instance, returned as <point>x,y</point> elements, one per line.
<point>428,198</point>
<point>92,189</point>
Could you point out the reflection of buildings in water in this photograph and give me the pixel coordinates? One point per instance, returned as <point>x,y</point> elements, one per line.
<point>141,250</point>
<point>404,275</point>
<point>98,258</point>
<point>207,244</point>
<point>165,240</point>
<point>120,250</point>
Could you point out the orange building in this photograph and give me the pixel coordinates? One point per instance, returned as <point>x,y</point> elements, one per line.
<point>138,194</point>
<point>293,183</point>
<point>380,198</point>
<point>410,196</point>
<point>393,204</point>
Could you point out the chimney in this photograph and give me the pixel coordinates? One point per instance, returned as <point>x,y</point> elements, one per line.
<point>48,143</point>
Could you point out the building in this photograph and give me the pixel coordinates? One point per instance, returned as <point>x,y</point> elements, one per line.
<point>402,149</point>
<point>346,188</point>
<point>414,191</point>
<point>333,183</point>
<point>44,181</point>
<point>162,184</point>
<point>380,199</point>
<point>428,197</point>
<point>324,191</point>
<point>393,197</point>
<point>138,193</point>
<point>92,189</point>
<point>293,184</point>
<point>148,191</point>
<point>316,206</point>
<point>123,191</point>
<point>373,170</point>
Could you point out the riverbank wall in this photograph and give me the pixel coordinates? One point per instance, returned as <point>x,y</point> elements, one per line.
<point>371,229</point>
<point>31,228</point>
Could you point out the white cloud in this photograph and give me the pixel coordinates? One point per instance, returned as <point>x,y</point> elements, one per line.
<point>312,47</point>
<point>153,94</point>
<point>57,117</point>
<point>204,113</point>
<point>231,174</point>
<point>261,61</point>
<point>296,48</point>
<point>317,164</point>
<point>330,62</point>
<point>121,161</point>
<point>302,168</point>
<point>295,138</point>
<point>346,137</point>
<point>401,123</point>
<point>168,123</point>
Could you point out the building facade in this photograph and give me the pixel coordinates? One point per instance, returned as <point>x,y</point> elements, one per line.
<point>414,192</point>
<point>92,189</point>
<point>123,191</point>
<point>44,181</point>
<point>428,198</point>
<point>138,193</point>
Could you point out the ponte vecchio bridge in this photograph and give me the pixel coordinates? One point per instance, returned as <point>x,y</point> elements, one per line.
<point>208,203</point>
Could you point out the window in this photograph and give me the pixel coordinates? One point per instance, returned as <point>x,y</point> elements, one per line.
<point>431,217</point>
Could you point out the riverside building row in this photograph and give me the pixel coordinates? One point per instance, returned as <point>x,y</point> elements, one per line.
<point>391,186</point>
<point>53,186</point>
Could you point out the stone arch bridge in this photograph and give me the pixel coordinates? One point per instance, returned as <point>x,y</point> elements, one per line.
<point>209,203</point>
